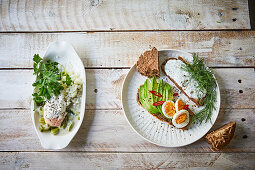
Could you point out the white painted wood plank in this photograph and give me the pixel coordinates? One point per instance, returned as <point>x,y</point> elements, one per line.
<point>71,15</point>
<point>108,130</point>
<point>59,160</point>
<point>16,88</point>
<point>122,49</point>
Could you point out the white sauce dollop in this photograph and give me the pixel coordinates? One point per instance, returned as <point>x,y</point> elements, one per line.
<point>55,107</point>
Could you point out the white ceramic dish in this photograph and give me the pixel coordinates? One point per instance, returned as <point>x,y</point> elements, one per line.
<point>149,127</point>
<point>63,53</point>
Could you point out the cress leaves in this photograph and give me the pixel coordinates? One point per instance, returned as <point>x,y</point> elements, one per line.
<point>48,80</point>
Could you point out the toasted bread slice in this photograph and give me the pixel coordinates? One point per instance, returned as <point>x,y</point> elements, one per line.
<point>148,63</point>
<point>163,118</point>
<point>222,136</point>
<point>171,67</point>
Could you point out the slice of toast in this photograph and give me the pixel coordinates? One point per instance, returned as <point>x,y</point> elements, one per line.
<point>222,136</point>
<point>171,67</point>
<point>163,118</point>
<point>148,63</point>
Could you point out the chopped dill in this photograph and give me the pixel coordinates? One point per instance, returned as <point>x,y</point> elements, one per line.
<point>205,83</point>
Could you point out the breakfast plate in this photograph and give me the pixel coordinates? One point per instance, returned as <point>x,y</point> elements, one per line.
<point>149,127</point>
<point>64,54</point>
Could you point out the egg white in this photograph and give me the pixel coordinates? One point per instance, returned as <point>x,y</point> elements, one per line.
<point>183,124</point>
<point>163,108</point>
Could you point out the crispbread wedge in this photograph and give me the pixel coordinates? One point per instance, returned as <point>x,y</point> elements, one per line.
<point>180,78</point>
<point>222,136</point>
<point>148,63</point>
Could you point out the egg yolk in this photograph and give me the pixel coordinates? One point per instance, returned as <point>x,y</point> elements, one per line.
<point>169,109</point>
<point>181,118</point>
<point>181,104</point>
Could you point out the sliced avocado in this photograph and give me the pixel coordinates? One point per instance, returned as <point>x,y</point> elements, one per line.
<point>141,94</point>
<point>142,98</point>
<point>160,89</point>
<point>148,97</point>
<point>169,92</point>
<point>170,95</point>
<point>166,90</point>
<point>154,88</point>
<point>149,88</point>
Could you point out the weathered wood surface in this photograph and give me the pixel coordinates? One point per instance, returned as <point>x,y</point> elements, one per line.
<point>71,15</point>
<point>121,49</point>
<point>108,130</point>
<point>59,160</point>
<point>104,88</point>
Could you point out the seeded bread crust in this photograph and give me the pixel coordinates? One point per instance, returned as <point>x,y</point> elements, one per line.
<point>148,63</point>
<point>222,136</point>
<point>176,84</point>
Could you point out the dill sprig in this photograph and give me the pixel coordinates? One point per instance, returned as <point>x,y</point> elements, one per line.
<point>205,83</point>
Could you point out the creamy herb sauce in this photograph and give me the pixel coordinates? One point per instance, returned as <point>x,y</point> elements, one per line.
<point>55,107</point>
<point>181,77</point>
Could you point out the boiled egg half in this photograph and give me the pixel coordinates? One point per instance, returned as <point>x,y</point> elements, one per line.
<point>179,104</point>
<point>168,109</point>
<point>181,119</point>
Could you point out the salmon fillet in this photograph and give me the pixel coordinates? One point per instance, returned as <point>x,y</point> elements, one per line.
<point>54,122</point>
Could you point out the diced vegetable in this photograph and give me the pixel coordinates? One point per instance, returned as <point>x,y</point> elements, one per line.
<point>54,131</point>
<point>70,126</point>
<point>41,120</point>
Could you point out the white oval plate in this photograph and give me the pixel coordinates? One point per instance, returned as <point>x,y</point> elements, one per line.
<point>63,53</point>
<point>149,127</point>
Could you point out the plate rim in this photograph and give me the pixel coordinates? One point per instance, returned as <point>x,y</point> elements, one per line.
<point>165,145</point>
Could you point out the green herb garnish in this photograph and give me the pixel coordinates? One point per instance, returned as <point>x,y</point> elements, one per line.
<point>206,83</point>
<point>48,80</point>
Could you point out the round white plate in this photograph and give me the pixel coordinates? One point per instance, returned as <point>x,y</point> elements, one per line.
<point>149,127</point>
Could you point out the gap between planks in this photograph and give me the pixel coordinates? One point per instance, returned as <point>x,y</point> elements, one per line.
<point>124,68</point>
<point>109,31</point>
<point>118,152</point>
<point>102,109</point>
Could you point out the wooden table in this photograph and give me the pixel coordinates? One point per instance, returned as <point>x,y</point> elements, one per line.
<point>109,36</point>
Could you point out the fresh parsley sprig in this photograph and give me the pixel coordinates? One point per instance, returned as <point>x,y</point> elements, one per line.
<point>48,80</point>
<point>205,83</point>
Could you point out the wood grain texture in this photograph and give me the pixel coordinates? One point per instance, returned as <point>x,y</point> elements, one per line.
<point>104,88</point>
<point>220,49</point>
<point>71,15</point>
<point>108,130</point>
<point>58,160</point>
